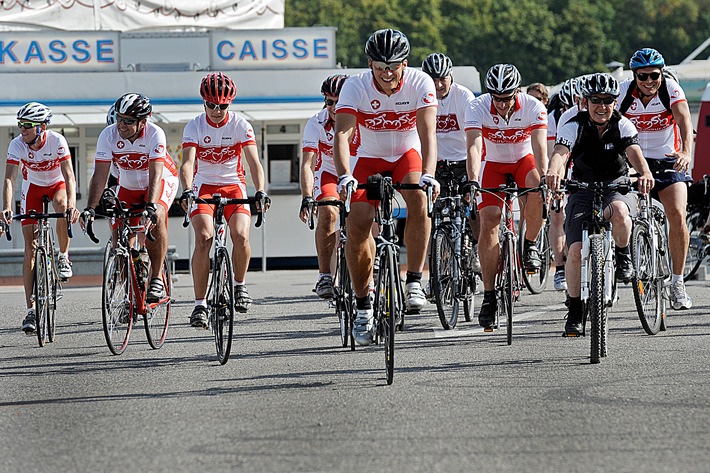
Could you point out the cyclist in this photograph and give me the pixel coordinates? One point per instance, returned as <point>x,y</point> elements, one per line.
<point>513,128</point>
<point>454,99</point>
<point>47,171</point>
<point>659,109</point>
<point>394,109</point>
<point>599,140</point>
<point>147,175</point>
<point>213,144</point>
<point>539,91</point>
<point>319,179</point>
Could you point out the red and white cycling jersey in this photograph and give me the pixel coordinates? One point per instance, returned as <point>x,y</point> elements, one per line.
<point>41,167</point>
<point>507,142</point>
<point>218,148</point>
<point>318,138</point>
<point>132,159</point>
<point>658,132</point>
<point>450,116</point>
<point>387,125</point>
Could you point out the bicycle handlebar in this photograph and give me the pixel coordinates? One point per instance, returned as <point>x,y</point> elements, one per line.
<point>320,203</point>
<point>220,201</point>
<point>32,214</point>
<point>571,186</point>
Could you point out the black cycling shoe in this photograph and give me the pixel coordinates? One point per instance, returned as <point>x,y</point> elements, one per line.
<point>198,319</point>
<point>624,267</point>
<point>573,326</point>
<point>531,259</point>
<point>489,307</point>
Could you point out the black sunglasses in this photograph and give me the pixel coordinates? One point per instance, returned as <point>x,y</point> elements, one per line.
<point>330,102</point>
<point>643,76</point>
<point>212,106</point>
<point>505,99</point>
<point>605,100</point>
<point>127,121</point>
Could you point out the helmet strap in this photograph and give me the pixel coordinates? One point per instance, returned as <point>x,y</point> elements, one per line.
<point>38,129</point>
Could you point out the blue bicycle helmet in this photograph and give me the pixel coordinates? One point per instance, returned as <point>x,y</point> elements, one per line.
<point>646,57</point>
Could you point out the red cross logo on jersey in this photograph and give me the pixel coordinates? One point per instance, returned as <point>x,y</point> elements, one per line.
<point>159,149</point>
<point>495,120</point>
<point>542,117</point>
<point>429,98</point>
<point>60,150</point>
<point>375,104</point>
<point>207,139</point>
<point>31,155</point>
<point>120,145</point>
<point>633,106</point>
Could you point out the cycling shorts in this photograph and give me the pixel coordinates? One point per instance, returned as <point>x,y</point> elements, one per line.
<point>31,198</point>
<point>168,190</point>
<point>410,162</point>
<point>325,185</point>
<point>665,176</point>
<point>493,175</point>
<point>230,191</point>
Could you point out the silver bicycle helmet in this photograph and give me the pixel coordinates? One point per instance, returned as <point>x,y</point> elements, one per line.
<point>34,112</point>
<point>502,79</point>
<point>437,65</point>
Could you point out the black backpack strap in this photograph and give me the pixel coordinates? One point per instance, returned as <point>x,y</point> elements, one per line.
<point>628,98</point>
<point>663,94</point>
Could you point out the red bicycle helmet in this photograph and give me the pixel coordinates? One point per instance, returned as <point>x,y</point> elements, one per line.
<point>218,88</point>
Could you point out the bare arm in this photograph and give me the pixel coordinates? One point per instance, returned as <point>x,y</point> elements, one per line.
<point>345,124</point>
<point>257,171</point>
<point>7,191</point>
<point>187,170</point>
<point>426,129</point>
<point>681,114</point>
<point>539,146</point>
<point>70,181</point>
<point>474,148</point>
<point>155,176</point>
<point>556,170</point>
<point>306,177</point>
<point>635,157</point>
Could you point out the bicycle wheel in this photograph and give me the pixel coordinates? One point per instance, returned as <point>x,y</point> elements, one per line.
<point>52,307</point>
<point>221,307</point>
<point>117,301</point>
<point>597,307</point>
<point>468,277</point>
<point>157,315</point>
<point>506,289</point>
<point>41,295</point>
<point>444,280</point>
<point>386,307</point>
<point>343,298</point>
<point>647,286</point>
<point>695,219</point>
<point>537,281</point>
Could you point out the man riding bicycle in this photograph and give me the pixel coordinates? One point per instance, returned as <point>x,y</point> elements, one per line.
<point>599,140</point>
<point>147,175</point>
<point>46,172</point>
<point>513,127</point>
<point>394,109</point>
<point>213,143</point>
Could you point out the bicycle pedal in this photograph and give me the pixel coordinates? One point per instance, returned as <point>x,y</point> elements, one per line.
<point>572,335</point>
<point>488,329</point>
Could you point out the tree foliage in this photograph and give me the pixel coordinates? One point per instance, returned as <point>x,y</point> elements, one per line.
<point>548,40</point>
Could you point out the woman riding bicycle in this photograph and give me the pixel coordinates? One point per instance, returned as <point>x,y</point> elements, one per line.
<point>600,140</point>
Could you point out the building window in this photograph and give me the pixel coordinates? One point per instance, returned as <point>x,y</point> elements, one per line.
<point>283,167</point>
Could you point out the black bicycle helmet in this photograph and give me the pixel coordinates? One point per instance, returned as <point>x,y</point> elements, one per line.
<point>437,65</point>
<point>388,46</point>
<point>333,84</point>
<point>502,79</point>
<point>134,105</point>
<point>601,83</point>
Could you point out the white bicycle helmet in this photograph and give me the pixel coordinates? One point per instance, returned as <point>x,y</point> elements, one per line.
<point>34,112</point>
<point>111,115</point>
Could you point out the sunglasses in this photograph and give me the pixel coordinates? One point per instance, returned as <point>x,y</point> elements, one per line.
<point>505,99</point>
<point>383,66</point>
<point>127,121</point>
<point>643,76</point>
<point>605,100</point>
<point>330,102</point>
<point>212,106</point>
<point>27,125</point>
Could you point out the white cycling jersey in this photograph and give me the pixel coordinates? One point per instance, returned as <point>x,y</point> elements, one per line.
<point>450,116</point>
<point>132,159</point>
<point>658,132</point>
<point>318,138</point>
<point>387,125</point>
<point>41,167</point>
<point>218,149</point>
<point>507,141</point>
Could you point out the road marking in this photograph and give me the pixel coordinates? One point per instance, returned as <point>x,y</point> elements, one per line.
<point>457,332</point>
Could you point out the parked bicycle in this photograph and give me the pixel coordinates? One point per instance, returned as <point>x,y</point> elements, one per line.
<point>343,295</point>
<point>696,217</point>
<point>649,246</point>
<point>46,283</point>
<point>509,279</point>
<point>451,276</point>
<point>126,276</point>
<point>220,292</point>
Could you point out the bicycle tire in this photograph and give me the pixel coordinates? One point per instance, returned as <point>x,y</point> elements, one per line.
<point>117,300</point>
<point>157,315</point>
<point>52,309</point>
<point>41,295</point>
<point>444,280</point>
<point>697,252</point>
<point>468,277</point>
<point>343,298</point>
<point>507,289</point>
<point>647,287</point>
<point>537,281</point>
<point>597,306</point>
<point>221,307</point>
<point>386,309</point>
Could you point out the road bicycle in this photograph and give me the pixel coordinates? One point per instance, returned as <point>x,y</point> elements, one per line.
<point>536,281</point>
<point>46,283</point>
<point>651,283</point>
<point>451,275</point>
<point>220,292</point>
<point>343,295</point>
<point>126,276</point>
<point>388,310</point>
<point>509,279</point>
<point>598,269</point>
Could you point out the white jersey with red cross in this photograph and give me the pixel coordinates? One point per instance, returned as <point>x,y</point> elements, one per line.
<point>387,125</point>
<point>450,116</point>
<point>41,167</point>
<point>507,141</point>
<point>658,132</point>
<point>132,159</point>
<point>218,157</point>
<point>318,139</point>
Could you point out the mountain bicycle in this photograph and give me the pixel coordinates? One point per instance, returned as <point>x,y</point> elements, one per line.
<point>220,292</point>
<point>126,276</point>
<point>46,283</point>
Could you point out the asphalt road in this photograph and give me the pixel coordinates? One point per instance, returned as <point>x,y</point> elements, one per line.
<point>291,400</point>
